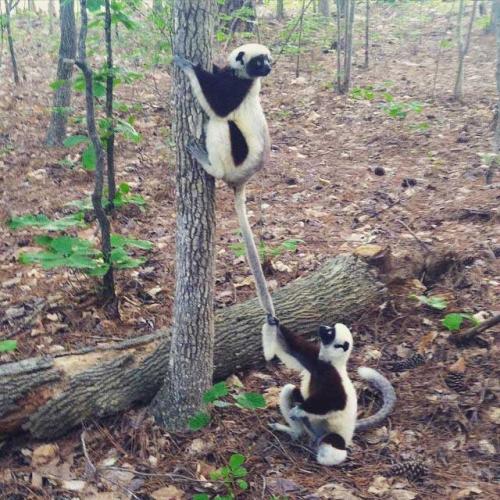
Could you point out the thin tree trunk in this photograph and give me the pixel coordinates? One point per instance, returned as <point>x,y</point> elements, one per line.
<point>463,48</point>
<point>324,8</point>
<point>110,139</point>
<point>339,49</point>
<point>495,163</point>
<point>62,94</point>
<point>2,38</point>
<point>301,27</point>
<point>51,15</point>
<point>8,8</point>
<point>108,281</point>
<point>280,11</point>
<point>192,347</point>
<point>49,396</point>
<point>367,35</point>
<point>348,48</point>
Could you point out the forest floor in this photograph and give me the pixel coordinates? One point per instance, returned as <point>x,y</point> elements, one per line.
<point>321,186</point>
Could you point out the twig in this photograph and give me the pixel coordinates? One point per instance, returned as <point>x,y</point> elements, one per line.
<point>90,468</point>
<point>424,245</point>
<point>463,338</point>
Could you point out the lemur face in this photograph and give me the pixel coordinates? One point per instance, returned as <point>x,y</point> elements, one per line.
<point>251,61</point>
<point>336,342</point>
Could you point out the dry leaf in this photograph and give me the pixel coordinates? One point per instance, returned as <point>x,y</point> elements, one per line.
<point>44,454</point>
<point>458,367</point>
<point>426,341</point>
<point>168,493</point>
<point>368,251</point>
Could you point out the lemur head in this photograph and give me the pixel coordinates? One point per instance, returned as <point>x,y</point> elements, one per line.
<point>250,61</point>
<point>336,343</point>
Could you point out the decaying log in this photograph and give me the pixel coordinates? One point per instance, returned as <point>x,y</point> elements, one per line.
<point>48,396</point>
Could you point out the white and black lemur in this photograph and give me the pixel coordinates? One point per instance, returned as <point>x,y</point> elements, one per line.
<point>325,406</point>
<point>237,138</point>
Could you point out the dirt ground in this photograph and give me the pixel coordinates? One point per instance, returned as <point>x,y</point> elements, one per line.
<point>321,186</point>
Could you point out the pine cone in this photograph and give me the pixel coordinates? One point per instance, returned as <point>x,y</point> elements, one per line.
<point>413,361</point>
<point>413,470</point>
<point>456,381</point>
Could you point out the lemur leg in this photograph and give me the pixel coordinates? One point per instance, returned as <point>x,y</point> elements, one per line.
<point>331,450</point>
<point>199,153</point>
<point>289,397</point>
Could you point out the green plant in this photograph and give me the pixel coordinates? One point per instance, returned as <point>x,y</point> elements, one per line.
<point>454,321</point>
<point>247,400</point>
<point>80,254</point>
<point>8,345</point>
<point>434,302</point>
<point>363,93</point>
<point>267,252</point>
<point>43,222</point>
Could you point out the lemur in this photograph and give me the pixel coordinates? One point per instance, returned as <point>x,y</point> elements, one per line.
<point>237,139</point>
<point>325,406</point>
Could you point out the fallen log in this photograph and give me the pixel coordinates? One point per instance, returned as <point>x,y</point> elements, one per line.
<point>48,396</point>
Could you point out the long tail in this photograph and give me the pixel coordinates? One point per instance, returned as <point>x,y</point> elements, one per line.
<point>252,255</point>
<point>383,385</point>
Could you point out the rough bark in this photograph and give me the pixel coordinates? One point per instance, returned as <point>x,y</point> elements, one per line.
<point>344,44</point>
<point>367,34</point>
<point>62,95</point>
<point>49,396</point>
<point>192,348</point>
<point>9,5</point>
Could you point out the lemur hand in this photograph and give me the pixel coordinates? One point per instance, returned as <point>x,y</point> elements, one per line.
<point>297,413</point>
<point>182,63</point>
<point>273,321</point>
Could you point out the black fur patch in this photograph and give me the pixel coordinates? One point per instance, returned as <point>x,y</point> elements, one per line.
<point>258,66</point>
<point>305,352</point>
<point>326,392</point>
<point>335,440</point>
<point>239,57</point>
<point>296,396</point>
<point>222,89</point>
<point>239,146</point>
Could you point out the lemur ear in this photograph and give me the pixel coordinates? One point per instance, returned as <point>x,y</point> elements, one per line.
<point>239,57</point>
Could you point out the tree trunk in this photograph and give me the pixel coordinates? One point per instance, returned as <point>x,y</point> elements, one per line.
<point>280,11</point>
<point>110,138</point>
<point>49,396</point>
<point>62,95</point>
<point>192,348</point>
<point>344,44</point>
<point>8,8</point>
<point>51,14</point>
<point>108,279</point>
<point>324,8</point>
<point>463,47</point>
<point>495,163</point>
<point>367,34</point>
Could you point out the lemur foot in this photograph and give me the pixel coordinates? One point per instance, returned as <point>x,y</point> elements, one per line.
<point>272,321</point>
<point>182,63</point>
<point>297,413</point>
<point>284,428</point>
<point>198,151</point>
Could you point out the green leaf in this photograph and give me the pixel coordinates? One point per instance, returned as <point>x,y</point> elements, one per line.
<point>127,130</point>
<point>120,241</point>
<point>89,158</point>
<point>453,321</point>
<point>198,421</point>
<point>26,221</point>
<point>74,140</point>
<point>236,460</point>
<point>44,222</point>
<point>435,302</point>
<point>94,5</point>
<point>57,84</point>
<point>124,187</point>
<point>239,472</point>
<point>201,496</point>
<point>8,345</point>
<point>250,400</point>
<point>291,245</point>
<point>218,391</point>
<point>242,484</point>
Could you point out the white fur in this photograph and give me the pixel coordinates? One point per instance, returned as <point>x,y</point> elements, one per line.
<point>250,50</point>
<point>328,455</point>
<point>269,340</point>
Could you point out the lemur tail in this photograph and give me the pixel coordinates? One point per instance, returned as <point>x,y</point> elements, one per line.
<point>383,385</point>
<point>252,255</point>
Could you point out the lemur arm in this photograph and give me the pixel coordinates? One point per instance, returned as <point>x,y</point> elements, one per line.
<point>294,351</point>
<point>218,93</point>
